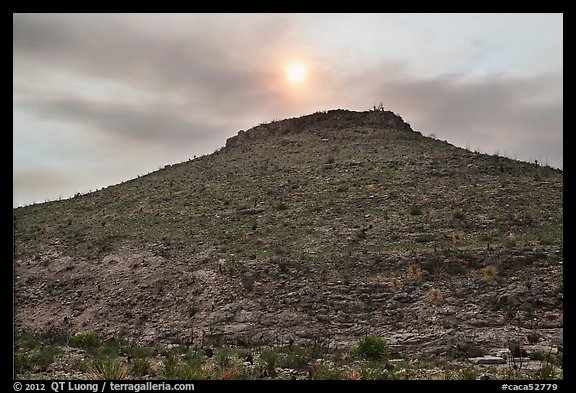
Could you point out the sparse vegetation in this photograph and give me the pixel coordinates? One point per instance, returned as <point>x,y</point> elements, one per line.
<point>367,361</point>
<point>36,359</point>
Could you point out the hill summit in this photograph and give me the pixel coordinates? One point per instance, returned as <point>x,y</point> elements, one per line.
<point>322,228</point>
<point>321,121</point>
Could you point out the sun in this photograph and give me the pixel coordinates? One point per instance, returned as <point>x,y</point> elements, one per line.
<point>296,72</point>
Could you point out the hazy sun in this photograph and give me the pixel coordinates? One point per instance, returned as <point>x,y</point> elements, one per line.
<point>296,72</point>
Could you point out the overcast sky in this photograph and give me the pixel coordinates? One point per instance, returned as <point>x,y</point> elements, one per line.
<point>102,98</point>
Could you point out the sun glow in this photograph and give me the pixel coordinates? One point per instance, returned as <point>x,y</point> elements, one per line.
<point>296,73</point>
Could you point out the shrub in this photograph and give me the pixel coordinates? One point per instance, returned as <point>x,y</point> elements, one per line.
<point>459,214</point>
<point>85,341</point>
<point>475,351</point>
<point>282,263</point>
<point>546,371</point>
<point>425,238</point>
<point>174,368</point>
<point>416,211</point>
<point>537,355</point>
<point>139,352</point>
<point>192,310</point>
<point>248,282</point>
<point>373,348</point>
<point>379,108</point>
<point>298,357</point>
<point>282,206</point>
<point>533,338</point>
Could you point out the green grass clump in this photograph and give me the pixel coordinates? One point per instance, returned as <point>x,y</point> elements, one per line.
<point>108,368</point>
<point>85,341</point>
<point>459,214</point>
<point>282,206</point>
<point>140,367</point>
<point>416,211</point>
<point>373,348</point>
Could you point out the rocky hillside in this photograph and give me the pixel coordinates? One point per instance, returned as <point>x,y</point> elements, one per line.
<point>325,227</point>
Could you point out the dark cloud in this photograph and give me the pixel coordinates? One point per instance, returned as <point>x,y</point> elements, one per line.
<point>126,122</point>
<point>198,64</point>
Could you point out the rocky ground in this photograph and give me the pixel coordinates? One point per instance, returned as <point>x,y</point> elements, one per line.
<point>145,296</point>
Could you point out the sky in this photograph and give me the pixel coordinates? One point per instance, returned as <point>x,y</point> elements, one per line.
<point>102,98</point>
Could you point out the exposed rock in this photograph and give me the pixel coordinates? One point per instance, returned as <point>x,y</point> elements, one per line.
<point>311,123</point>
<point>487,360</point>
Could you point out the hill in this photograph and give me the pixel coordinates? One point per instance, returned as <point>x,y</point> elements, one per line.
<point>322,228</point>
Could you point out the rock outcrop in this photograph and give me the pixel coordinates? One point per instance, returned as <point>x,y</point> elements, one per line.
<point>319,121</point>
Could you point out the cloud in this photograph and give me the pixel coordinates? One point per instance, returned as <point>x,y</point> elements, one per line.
<point>158,88</point>
<point>520,115</point>
<point>212,68</point>
<point>197,64</point>
<point>158,125</point>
